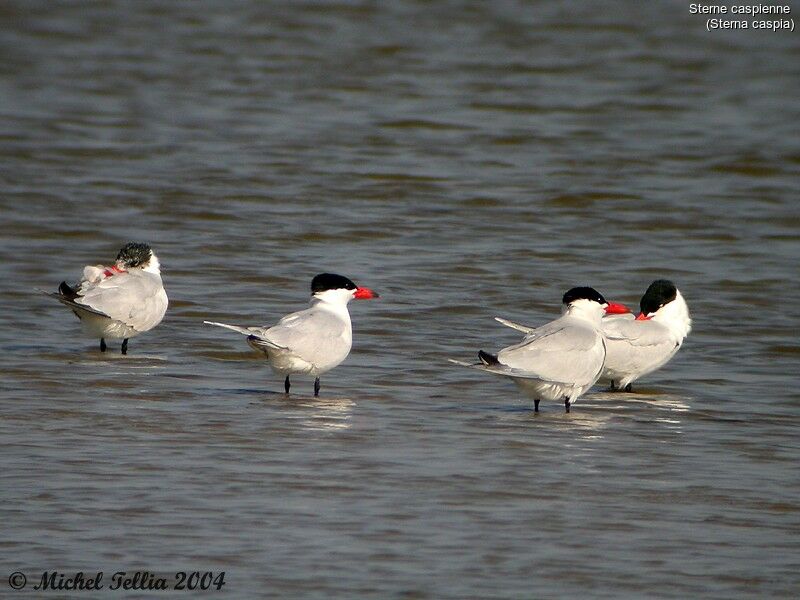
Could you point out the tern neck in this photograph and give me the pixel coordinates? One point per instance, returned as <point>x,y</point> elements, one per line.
<point>586,310</point>
<point>333,301</point>
<point>338,310</point>
<point>338,297</point>
<point>675,317</point>
<point>153,266</point>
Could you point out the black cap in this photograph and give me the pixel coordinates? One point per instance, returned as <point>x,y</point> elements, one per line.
<point>583,293</point>
<point>660,292</point>
<point>330,281</point>
<point>134,254</point>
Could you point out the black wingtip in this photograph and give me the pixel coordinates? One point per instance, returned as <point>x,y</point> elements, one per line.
<point>488,359</point>
<point>66,291</point>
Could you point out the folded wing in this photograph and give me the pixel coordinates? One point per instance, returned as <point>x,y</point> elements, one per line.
<point>638,346</point>
<point>558,352</point>
<point>638,333</point>
<point>313,334</point>
<point>135,298</point>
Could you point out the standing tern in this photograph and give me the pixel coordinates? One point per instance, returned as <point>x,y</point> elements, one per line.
<point>120,301</point>
<point>311,341</point>
<point>559,360</point>
<point>637,347</point>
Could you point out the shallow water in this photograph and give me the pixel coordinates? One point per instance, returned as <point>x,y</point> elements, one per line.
<point>466,161</point>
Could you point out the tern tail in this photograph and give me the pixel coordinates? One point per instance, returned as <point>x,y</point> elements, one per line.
<point>243,330</point>
<point>513,325</point>
<point>253,337</point>
<point>67,292</point>
<point>68,296</point>
<point>488,359</point>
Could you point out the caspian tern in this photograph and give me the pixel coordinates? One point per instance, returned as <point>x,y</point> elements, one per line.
<point>639,346</point>
<point>120,301</point>
<point>559,360</point>
<point>311,341</point>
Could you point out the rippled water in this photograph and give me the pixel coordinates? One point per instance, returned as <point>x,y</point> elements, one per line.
<point>466,160</point>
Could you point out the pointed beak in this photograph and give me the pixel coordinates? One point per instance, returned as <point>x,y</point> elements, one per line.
<point>642,317</point>
<point>615,308</point>
<point>114,269</point>
<point>363,293</point>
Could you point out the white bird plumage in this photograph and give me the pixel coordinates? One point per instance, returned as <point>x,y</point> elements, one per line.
<point>560,360</point>
<point>312,341</point>
<point>121,301</point>
<point>637,347</point>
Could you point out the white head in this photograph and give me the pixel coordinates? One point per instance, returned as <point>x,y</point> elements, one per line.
<point>137,256</point>
<point>588,303</point>
<point>663,302</point>
<point>336,289</point>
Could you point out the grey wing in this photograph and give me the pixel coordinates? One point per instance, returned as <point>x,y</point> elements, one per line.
<point>611,319</point>
<point>637,333</point>
<point>135,298</point>
<point>499,369</point>
<point>639,345</point>
<point>558,352</point>
<point>70,302</point>
<point>311,334</point>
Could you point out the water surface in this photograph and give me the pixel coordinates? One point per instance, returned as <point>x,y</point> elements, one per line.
<point>467,160</point>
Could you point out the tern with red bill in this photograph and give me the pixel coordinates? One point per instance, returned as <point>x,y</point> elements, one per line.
<point>560,360</point>
<point>118,301</point>
<point>637,347</point>
<point>312,341</point>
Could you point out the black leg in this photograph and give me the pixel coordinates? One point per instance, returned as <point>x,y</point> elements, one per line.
<point>316,387</point>
<point>125,346</point>
<point>286,384</point>
<point>628,388</point>
<point>102,345</point>
<point>613,386</point>
<point>536,405</point>
<point>566,404</point>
